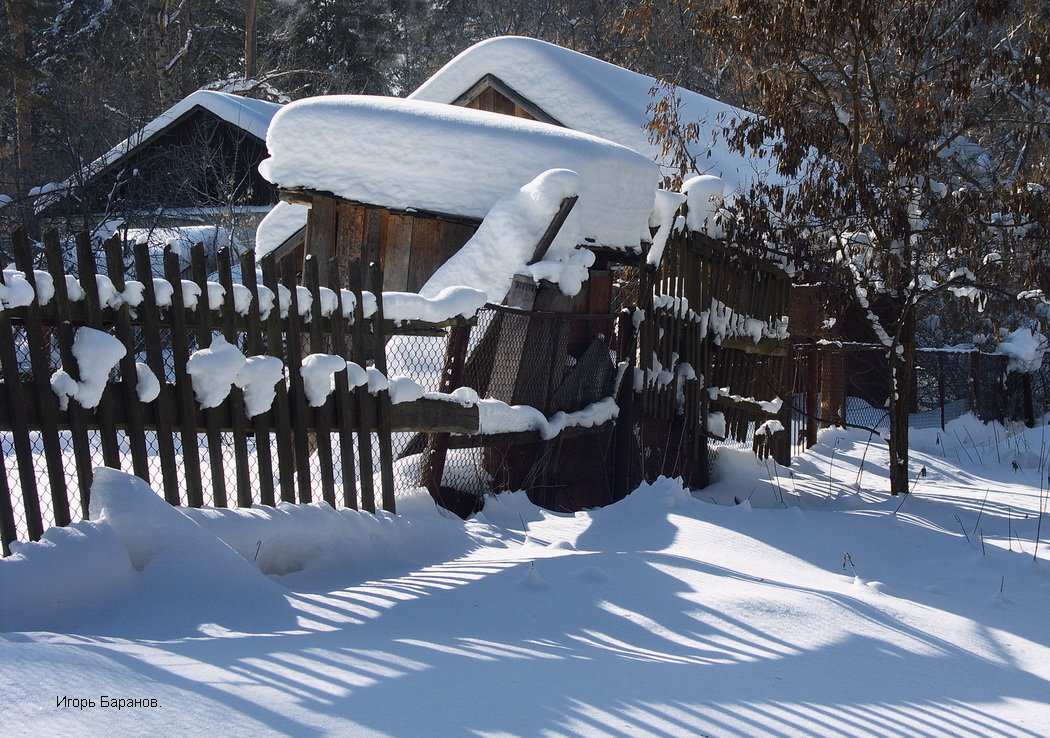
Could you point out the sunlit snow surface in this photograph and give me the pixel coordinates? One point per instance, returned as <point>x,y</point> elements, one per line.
<point>665,614</point>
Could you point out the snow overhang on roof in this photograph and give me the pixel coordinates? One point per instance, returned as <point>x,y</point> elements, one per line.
<point>411,154</point>
<point>592,96</point>
<point>250,115</point>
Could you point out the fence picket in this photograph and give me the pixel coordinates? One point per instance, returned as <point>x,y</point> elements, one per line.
<point>38,343</point>
<point>164,413</point>
<point>8,531</point>
<point>322,415</point>
<point>199,272</point>
<point>254,346</point>
<point>236,401</point>
<point>344,411</point>
<point>282,412</point>
<point>187,403</point>
<point>92,299</point>
<point>363,405</point>
<point>77,417</point>
<point>372,278</point>
<point>136,439</point>
<point>296,392</point>
<point>19,426</point>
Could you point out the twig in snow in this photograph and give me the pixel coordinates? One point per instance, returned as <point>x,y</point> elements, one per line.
<point>959,521</point>
<point>779,489</point>
<point>979,459</point>
<point>996,432</point>
<point>922,474</point>
<point>1039,523</point>
<point>831,467</point>
<point>983,552</point>
<point>956,434</point>
<point>258,546</point>
<point>863,456</point>
<point>981,510</point>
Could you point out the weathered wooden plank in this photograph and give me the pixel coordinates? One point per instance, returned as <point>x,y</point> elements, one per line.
<point>322,418</point>
<point>428,252</point>
<point>8,531</point>
<point>282,411</point>
<point>397,251</point>
<point>88,280</point>
<point>451,379</point>
<point>321,229</point>
<point>243,491</point>
<point>260,424</point>
<point>552,229</point>
<point>77,417</point>
<point>350,234</point>
<point>199,271</point>
<point>164,406</point>
<point>364,407</point>
<point>373,280</point>
<point>39,343</point>
<point>344,410</point>
<point>187,408</point>
<point>16,402</point>
<point>128,370</point>
<point>300,410</point>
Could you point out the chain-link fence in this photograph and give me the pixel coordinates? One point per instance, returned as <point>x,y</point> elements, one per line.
<point>851,383</point>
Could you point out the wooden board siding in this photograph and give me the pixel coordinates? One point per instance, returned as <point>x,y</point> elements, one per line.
<point>412,245</point>
<point>494,95</point>
<point>494,102</point>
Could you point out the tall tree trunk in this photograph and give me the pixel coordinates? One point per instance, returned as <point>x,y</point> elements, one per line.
<point>16,22</point>
<point>250,44</point>
<point>902,377</point>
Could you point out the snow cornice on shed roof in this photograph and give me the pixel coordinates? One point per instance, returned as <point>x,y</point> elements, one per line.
<point>403,154</point>
<point>250,115</point>
<point>592,96</point>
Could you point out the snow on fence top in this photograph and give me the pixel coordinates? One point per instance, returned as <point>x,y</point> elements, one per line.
<point>589,95</point>
<point>246,113</point>
<point>413,154</point>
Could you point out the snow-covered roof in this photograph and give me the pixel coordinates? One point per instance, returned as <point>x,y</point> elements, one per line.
<point>252,116</point>
<point>409,154</point>
<point>593,96</point>
<point>283,221</point>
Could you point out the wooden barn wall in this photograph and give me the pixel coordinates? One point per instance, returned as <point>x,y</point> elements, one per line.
<point>411,246</point>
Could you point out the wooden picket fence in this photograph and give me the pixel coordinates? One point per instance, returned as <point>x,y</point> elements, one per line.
<point>291,453</point>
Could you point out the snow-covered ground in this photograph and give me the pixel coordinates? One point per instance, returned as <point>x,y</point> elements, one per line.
<point>819,605</point>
